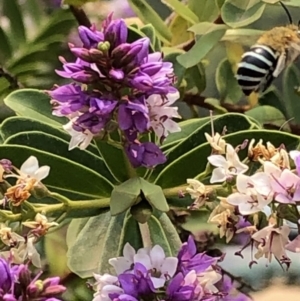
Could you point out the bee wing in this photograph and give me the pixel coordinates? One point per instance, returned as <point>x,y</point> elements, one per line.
<point>246,37</point>
<point>281,63</point>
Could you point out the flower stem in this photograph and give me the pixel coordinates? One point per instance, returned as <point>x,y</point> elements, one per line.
<point>130,170</point>
<point>146,237</point>
<point>80,16</point>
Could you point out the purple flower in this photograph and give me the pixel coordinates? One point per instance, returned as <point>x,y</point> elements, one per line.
<point>133,115</point>
<point>230,292</point>
<point>114,79</point>
<point>184,288</point>
<point>90,37</point>
<point>137,284</point>
<point>5,276</point>
<point>145,154</point>
<point>190,260</point>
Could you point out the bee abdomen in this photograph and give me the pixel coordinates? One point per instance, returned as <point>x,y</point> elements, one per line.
<point>256,68</point>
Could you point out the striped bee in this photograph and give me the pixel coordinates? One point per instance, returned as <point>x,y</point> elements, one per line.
<point>273,51</point>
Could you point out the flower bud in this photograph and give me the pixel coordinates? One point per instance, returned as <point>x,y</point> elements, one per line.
<point>5,276</point>
<point>104,46</point>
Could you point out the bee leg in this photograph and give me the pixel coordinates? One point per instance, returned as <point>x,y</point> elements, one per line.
<point>281,63</point>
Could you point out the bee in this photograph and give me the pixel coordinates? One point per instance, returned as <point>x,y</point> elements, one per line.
<point>273,51</point>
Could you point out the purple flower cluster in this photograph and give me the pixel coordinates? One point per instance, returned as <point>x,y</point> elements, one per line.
<point>149,275</point>
<point>116,82</point>
<point>17,284</point>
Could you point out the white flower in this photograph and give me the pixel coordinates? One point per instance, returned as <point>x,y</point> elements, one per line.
<point>272,241</point>
<point>81,139</point>
<point>105,285</point>
<point>154,260</point>
<point>224,216</point>
<point>24,251</point>
<point>30,169</point>
<point>285,184</point>
<point>9,237</point>
<point>216,142</point>
<point>231,166</point>
<point>161,114</point>
<point>197,191</point>
<point>254,193</point>
<point>208,278</point>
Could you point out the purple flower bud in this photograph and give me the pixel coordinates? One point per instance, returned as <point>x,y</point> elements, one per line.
<point>6,164</point>
<point>54,290</point>
<point>116,32</point>
<point>151,68</point>
<point>5,276</point>
<point>90,37</point>
<point>85,77</point>
<point>51,281</point>
<point>82,53</point>
<point>9,297</point>
<point>116,74</point>
<point>145,154</point>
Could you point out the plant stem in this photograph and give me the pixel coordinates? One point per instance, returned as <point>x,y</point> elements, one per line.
<point>80,16</point>
<point>130,170</point>
<point>145,232</point>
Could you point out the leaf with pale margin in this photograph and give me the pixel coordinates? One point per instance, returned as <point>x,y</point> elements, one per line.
<point>202,46</point>
<point>236,13</point>
<point>148,15</point>
<point>87,236</point>
<point>34,104</point>
<point>57,146</point>
<point>291,79</point>
<point>65,175</point>
<point>182,10</point>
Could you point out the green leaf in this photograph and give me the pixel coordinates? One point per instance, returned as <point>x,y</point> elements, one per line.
<point>195,77</point>
<point>187,127</point>
<point>271,97</point>
<point>158,236</point>
<point>179,29</point>
<point>182,10</point>
<point>288,212</point>
<point>236,13</point>
<point>6,49</point>
<point>233,123</point>
<point>171,233</point>
<point>268,115</point>
<point>148,15</point>
<point>227,85</point>
<point>65,175</point>
<point>124,196</point>
<point>14,125</point>
<point>132,192</point>
<point>181,169</point>
<point>35,10</point>
<point>220,3</point>
<point>12,11</point>
<point>130,233</point>
<point>202,46</point>
<point>149,32</point>
<point>244,36</point>
<point>154,195</point>
<point>114,160</point>
<point>34,104</point>
<point>57,146</point>
<point>91,236</point>
<point>216,105</point>
<point>291,79</point>
<point>207,10</point>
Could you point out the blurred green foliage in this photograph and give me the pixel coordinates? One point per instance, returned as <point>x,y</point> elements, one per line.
<point>204,39</point>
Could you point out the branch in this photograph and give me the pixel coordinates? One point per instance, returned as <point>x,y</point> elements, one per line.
<point>13,82</point>
<point>80,16</point>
